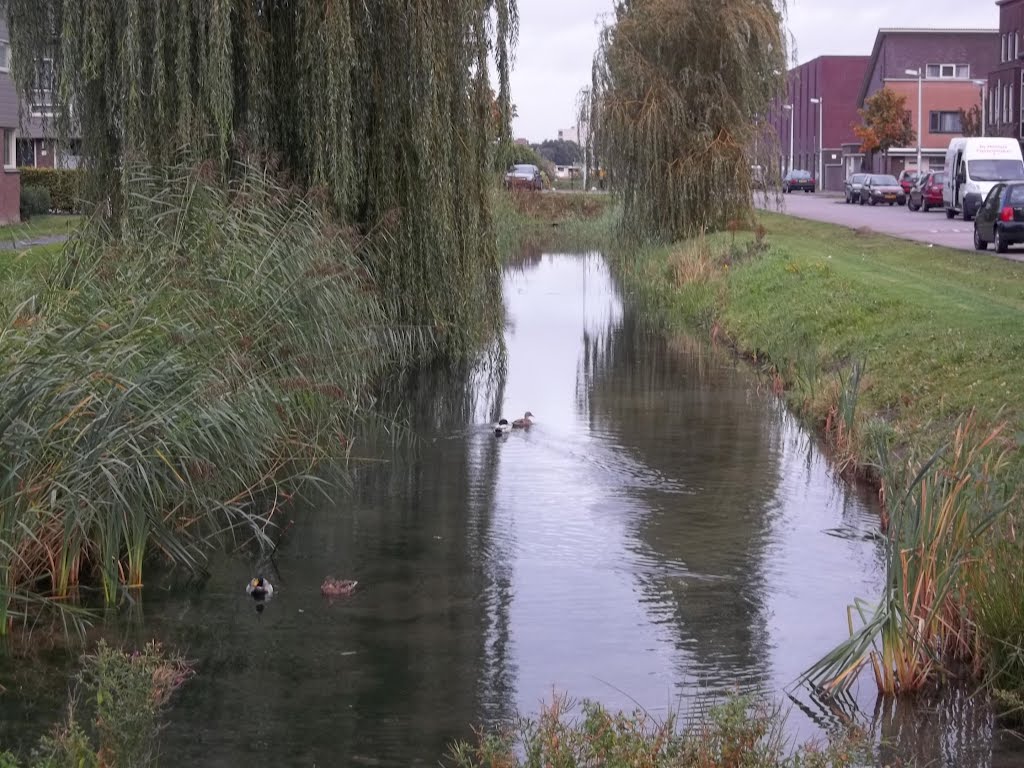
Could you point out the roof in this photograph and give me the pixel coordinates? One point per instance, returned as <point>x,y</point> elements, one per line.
<point>886,31</point>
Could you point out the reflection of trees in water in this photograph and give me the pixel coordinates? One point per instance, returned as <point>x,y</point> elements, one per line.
<point>680,406</point>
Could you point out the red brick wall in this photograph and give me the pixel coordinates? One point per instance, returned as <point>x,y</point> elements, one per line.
<point>10,197</point>
<point>936,96</point>
<point>46,153</point>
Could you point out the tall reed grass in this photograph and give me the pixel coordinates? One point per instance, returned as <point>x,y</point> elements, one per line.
<point>736,733</point>
<point>926,619</point>
<point>169,385</point>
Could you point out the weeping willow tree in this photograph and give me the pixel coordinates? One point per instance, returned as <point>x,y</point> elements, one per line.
<point>679,91</point>
<point>386,106</point>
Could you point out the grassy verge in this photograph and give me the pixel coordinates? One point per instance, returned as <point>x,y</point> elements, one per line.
<point>567,221</point>
<point>40,226</point>
<point>937,331</point>
<point>894,352</point>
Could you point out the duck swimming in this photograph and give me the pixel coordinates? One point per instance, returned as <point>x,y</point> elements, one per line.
<point>259,588</point>
<point>523,423</point>
<point>337,587</point>
<point>502,427</point>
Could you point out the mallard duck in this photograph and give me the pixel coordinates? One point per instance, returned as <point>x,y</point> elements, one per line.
<point>259,588</point>
<point>523,423</point>
<point>337,587</point>
<point>501,427</point>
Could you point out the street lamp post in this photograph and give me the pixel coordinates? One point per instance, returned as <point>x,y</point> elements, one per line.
<point>821,149</point>
<point>792,122</point>
<point>984,102</point>
<point>918,73</point>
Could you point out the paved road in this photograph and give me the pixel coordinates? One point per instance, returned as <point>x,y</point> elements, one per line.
<point>18,245</point>
<point>898,221</point>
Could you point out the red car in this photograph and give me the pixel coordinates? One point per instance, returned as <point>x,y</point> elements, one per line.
<point>908,179</point>
<point>927,193</point>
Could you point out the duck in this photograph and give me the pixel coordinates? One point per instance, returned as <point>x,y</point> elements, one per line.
<point>502,427</point>
<point>259,588</point>
<point>338,587</point>
<point>523,423</point>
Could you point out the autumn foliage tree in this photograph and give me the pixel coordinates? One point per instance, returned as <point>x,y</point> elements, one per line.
<point>970,121</point>
<point>886,123</point>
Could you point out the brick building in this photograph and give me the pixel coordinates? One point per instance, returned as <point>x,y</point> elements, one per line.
<point>836,81</point>
<point>1004,102</point>
<point>955,64</point>
<point>10,179</point>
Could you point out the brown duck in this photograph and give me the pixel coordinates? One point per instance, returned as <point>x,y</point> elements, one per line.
<point>338,587</point>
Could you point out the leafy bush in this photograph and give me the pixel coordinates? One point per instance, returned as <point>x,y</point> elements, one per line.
<point>64,185</point>
<point>124,696</point>
<point>35,201</point>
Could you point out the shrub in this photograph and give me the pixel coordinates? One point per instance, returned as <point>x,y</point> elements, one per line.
<point>64,185</point>
<point>35,201</point>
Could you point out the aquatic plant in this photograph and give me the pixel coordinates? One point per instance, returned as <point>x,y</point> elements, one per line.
<point>736,733</point>
<point>677,104</point>
<point>926,619</point>
<point>170,388</point>
<point>123,696</point>
<point>400,144</point>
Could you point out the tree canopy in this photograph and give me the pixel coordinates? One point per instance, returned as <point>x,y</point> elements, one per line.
<point>678,91</point>
<point>559,151</point>
<point>385,106</point>
<point>886,122</point>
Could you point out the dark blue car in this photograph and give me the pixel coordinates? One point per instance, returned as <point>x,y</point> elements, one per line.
<point>1000,220</point>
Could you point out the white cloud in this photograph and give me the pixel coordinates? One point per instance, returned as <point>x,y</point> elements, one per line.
<point>557,40</point>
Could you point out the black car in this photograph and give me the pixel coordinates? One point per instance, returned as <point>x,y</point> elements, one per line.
<point>794,181</point>
<point>1000,219</point>
<point>853,186</point>
<point>881,188</point>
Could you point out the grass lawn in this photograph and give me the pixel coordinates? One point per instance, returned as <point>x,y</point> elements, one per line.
<point>40,226</point>
<point>940,331</point>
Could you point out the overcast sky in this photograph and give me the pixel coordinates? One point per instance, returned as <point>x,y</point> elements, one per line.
<point>557,40</point>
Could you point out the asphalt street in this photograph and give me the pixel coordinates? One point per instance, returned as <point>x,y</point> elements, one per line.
<point>899,221</point>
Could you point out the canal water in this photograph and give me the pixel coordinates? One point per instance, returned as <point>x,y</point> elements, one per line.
<point>664,534</point>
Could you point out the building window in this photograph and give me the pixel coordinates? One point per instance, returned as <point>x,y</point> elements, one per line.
<point>944,122</point>
<point>1002,48</point>
<point>42,94</point>
<point>10,150</point>
<point>947,71</point>
<point>5,56</point>
<point>1016,46</point>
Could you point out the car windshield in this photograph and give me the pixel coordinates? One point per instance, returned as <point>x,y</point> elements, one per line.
<point>881,181</point>
<point>995,170</point>
<point>1015,194</point>
<point>799,175</point>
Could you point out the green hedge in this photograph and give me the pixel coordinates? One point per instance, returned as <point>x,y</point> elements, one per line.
<point>35,201</point>
<point>64,185</point>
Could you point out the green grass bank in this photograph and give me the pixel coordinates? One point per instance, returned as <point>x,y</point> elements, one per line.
<point>893,352</point>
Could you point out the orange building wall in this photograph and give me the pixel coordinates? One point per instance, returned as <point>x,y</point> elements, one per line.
<point>936,96</point>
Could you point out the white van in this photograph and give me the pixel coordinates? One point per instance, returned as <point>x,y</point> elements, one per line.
<point>973,166</point>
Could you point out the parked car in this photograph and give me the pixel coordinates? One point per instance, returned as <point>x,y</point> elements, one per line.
<point>798,180</point>
<point>853,186</point>
<point>927,193</point>
<point>882,188</point>
<point>907,179</point>
<point>1000,219</point>
<point>524,177</point>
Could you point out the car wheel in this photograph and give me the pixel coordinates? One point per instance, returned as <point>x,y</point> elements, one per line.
<point>979,244</point>
<point>950,213</point>
<point>966,215</point>
<point>847,198</point>
<point>1001,245</point>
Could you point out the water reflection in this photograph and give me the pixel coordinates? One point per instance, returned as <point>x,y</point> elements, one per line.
<point>663,531</point>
